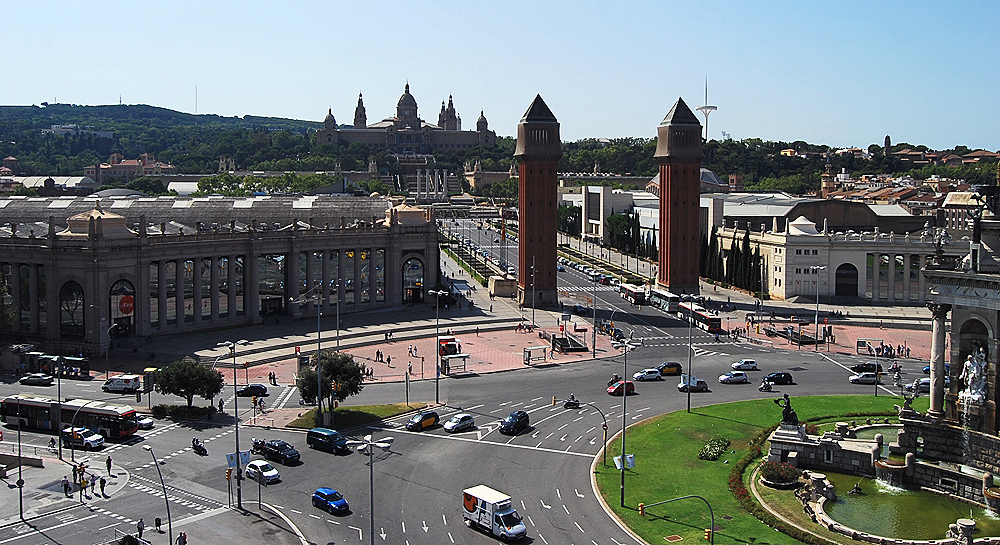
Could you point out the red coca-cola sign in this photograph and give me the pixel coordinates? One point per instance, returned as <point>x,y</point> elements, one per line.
<point>126,305</point>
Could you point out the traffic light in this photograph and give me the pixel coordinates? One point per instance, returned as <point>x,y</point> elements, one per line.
<point>642,509</point>
<point>708,534</point>
<point>229,473</point>
<point>253,401</point>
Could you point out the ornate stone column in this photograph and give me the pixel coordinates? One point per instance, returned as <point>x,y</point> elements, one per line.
<point>906,278</point>
<point>179,293</point>
<point>939,313</point>
<point>876,277</point>
<point>161,294</point>
<point>197,275</point>
<point>213,289</point>
<point>921,281</point>
<point>15,293</point>
<point>33,297</point>
<point>325,256</point>
<point>892,279</point>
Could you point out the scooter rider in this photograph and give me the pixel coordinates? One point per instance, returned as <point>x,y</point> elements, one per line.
<point>765,385</point>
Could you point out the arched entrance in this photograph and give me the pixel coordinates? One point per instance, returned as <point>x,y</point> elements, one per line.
<point>122,303</point>
<point>71,310</point>
<point>972,337</point>
<point>413,281</point>
<point>847,281</point>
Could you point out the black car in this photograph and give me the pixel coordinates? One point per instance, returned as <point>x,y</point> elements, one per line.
<point>250,390</point>
<point>780,377</point>
<point>422,420</point>
<point>867,367</point>
<point>515,423</point>
<point>276,450</point>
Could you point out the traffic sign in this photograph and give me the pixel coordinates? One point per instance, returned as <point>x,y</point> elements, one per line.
<point>126,304</point>
<point>605,426</point>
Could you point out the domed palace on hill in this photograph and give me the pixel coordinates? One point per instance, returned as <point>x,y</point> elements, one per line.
<point>406,133</point>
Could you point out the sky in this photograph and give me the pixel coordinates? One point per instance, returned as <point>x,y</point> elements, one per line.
<point>842,73</point>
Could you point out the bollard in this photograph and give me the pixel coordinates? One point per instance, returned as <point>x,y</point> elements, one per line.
<point>553,401</point>
<point>642,509</point>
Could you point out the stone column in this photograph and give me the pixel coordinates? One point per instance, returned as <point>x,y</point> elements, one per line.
<point>292,289</point>
<point>892,278</point>
<point>161,294</point>
<point>15,289</point>
<point>53,318</point>
<point>33,297</point>
<point>906,277</point>
<point>231,286</point>
<point>876,277</point>
<point>921,281</point>
<point>251,287</point>
<point>197,270</point>
<point>179,292</point>
<point>341,292</point>
<point>213,288</point>
<point>325,255</point>
<point>310,280</point>
<point>357,276</point>
<point>940,314</point>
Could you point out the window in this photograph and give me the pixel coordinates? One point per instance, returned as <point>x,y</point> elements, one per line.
<point>798,252</point>
<point>798,271</point>
<point>815,252</point>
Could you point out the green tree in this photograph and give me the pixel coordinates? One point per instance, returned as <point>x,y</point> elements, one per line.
<point>188,378</point>
<point>570,220</point>
<point>340,370</point>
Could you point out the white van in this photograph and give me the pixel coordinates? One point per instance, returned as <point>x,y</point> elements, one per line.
<point>123,384</point>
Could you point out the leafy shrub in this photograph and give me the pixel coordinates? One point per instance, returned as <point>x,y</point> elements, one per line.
<point>812,429</point>
<point>183,411</point>
<point>159,411</point>
<point>128,540</point>
<point>713,449</point>
<point>779,472</point>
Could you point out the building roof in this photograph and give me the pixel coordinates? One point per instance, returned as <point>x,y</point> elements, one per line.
<point>538,112</point>
<point>889,210</point>
<point>680,114</point>
<point>65,181</point>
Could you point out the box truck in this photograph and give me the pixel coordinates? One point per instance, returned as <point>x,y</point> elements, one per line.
<point>491,511</point>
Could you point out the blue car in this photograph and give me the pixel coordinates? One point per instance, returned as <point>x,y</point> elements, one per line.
<point>330,501</point>
<point>947,369</point>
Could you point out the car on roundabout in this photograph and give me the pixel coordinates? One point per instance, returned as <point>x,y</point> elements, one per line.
<point>145,422</point>
<point>262,472</point>
<point>668,368</point>
<point>514,423</point>
<point>617,388</point>
<point>693,384</point>
<point>251,390</point>
<point>460,422</point>
<point>923,385</point>
<point>734,377</point>
<point>865,378</point>
<point>947,369</point>
<point>422,420</point>
<point>647,374</point>
<point>779,377</point>
<point>745,365</point>
<point>330,500</point>
<point>867,367</point>
<point>36,379</point>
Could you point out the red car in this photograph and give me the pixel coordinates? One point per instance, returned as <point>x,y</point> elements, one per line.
<point>616,388</point>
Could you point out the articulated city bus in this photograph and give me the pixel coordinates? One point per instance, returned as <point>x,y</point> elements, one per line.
<point>110,420</point>
<point>664,300</point>
<point>700,316</point>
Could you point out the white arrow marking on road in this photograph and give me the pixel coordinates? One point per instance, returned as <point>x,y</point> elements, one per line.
<point>383,534</point>
<point>539,501</point>
<point>593,440</point>
<point>558,495</point>
<point>617,542</point>
<point>578,494</point>
<point>360,536</point>
<point>563,438</point>
<point>425,526</point>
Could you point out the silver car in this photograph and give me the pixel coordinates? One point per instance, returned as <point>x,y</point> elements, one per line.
<point>460,422</point>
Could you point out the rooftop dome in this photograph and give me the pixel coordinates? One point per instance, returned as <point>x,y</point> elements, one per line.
<point>802,226</point>
<point>407,100</point>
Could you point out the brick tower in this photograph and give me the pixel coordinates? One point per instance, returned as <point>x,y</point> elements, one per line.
<point>678,151</point>
<point>538,152</point>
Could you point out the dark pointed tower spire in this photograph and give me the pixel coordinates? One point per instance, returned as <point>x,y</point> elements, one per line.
<point>360,117</point>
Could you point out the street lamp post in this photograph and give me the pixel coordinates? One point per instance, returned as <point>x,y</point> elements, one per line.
<point>816,270</point>
<point>170,523</point>
<point>368,446</point>
<point>604,451</point>
<point>236,412</point>
<point>690,301</point>
<point>625,346</point>
<point>437,342</point>
<point>318,299</point>
<point>20,479</point>
<point>533,291</point>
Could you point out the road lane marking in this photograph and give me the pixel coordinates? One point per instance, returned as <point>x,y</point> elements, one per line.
<point>567,512</point>
<point>333,522</point>
<point>592,428</point>
<point>314,516</point>
<point>471,440</point>
<point>451,538</point>
<point>444,519</point>
<point>403,524</point>
<point>108,526</point>
<point>578,494</point>
<point>360,536</point>
<point>74,521</point>
<point>539,501</point>
<point>558,495</point>
<point>531,521</point>
<point>578,526</point>
<point>543,539</point>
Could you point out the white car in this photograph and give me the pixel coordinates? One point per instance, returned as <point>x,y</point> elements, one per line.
<point>145,423</point>
<point>734,377</point>
<point>745,365</point>
<point>262,472</point>
<point>648,374</point>
<point>865,378</point>
<point>460,422</point>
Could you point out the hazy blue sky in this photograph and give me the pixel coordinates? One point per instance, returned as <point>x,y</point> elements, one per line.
<point>841,73</point>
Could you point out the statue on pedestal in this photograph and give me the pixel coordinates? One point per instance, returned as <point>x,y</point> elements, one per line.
<point>975,376</point>
<point>788,416</point>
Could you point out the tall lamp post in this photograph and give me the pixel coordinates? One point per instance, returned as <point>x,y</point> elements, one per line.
<point>236,411</point>
<point>437,341</point>
<point>170,523</point>
<point>690,301</point>
<point>318,299</point>
<point>816,270</point>
<point>533,291</point>
<point>625,347</point>
<point>368,446</point>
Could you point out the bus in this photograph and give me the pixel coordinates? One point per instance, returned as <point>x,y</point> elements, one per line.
<point>633,294</point>
<point>107,419</point>
<point>663,300</point>
<point>701,316</point>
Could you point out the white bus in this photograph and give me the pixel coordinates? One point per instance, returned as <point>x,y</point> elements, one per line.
<point>664,300</point>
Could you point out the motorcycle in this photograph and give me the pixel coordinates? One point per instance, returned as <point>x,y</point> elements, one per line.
<point>614,379</point>
<point>199,448</point>
<point>257,445</point>
<point>571,404</point>
<point>765,386</point>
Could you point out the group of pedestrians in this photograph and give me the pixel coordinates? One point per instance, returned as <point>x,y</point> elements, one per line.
<point>140,527</point>
<point>82,480</point>
<point>272,378</point>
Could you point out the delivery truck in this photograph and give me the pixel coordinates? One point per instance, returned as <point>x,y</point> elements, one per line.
<point>491,511</point>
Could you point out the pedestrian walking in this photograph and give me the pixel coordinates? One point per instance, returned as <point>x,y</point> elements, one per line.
<point>93,484</point>
<point>139,527</point>
<point>83,485</point>
<point>104,483</point>
<point>66,486</point>
<point>157,523</point>
<point>409,368</point>
<point>388,361</point>
<point>182,539</point>
<point>414,350</point>
<point>409,349</point>
<point>491,308</point>
<point>477,331</point>
<point>220,405</point>
<point>108,461</point>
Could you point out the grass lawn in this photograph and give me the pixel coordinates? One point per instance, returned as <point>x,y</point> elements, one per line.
<point>359,415</point>
<point>667,465</point>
